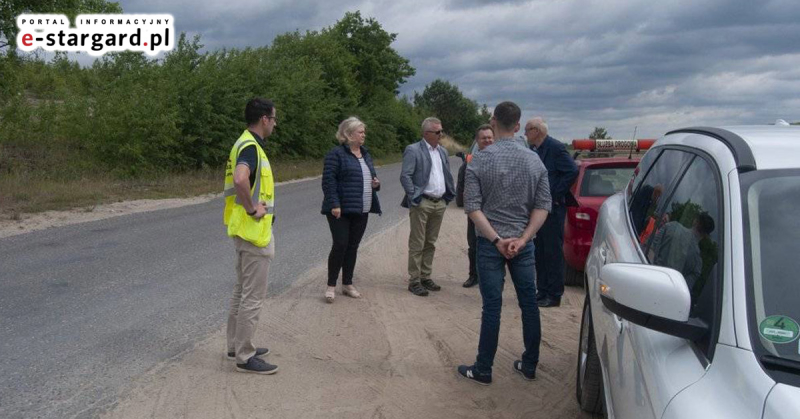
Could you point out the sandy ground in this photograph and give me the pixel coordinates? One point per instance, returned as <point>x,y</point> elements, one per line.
<point>43,220</point>
<point>388,355</point>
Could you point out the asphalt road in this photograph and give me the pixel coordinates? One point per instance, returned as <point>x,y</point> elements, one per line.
<point>86,308</point>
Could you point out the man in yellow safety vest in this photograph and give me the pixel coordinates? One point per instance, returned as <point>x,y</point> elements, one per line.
<point>249,210</point>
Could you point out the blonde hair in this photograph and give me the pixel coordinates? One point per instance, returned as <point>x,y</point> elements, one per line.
<point>347,127</point>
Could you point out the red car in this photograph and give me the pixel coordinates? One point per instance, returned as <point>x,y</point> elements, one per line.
<point>598,178</point>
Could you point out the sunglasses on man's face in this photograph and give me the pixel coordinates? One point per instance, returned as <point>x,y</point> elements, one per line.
<point>435,132</point>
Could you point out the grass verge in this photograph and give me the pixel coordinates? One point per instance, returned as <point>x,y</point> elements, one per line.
<point>22,193</point>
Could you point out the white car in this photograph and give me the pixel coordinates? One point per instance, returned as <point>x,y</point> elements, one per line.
<point>693,282</point>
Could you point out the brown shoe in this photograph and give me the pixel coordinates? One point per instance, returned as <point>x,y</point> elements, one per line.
<point>430,285</point>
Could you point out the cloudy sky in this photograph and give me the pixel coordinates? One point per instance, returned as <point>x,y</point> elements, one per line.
<point>579,64</point>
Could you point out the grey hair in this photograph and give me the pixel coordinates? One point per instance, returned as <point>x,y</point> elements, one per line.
<point>430,121</point>
<point>347,127</point>
<point>539,123</point>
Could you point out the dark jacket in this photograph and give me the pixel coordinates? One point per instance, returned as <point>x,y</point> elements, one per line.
<point>343,183</point>
<point>561,169</point>
<point>462,174</point>
<point>416,172</point>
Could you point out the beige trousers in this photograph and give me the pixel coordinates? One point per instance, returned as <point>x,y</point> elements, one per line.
<point>425,221</point>
<point>252,268</point>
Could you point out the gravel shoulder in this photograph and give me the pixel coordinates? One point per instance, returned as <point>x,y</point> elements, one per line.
<point>388,355</point>
<point>44,220</point>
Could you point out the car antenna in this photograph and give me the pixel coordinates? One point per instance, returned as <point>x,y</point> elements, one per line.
<point>633,144</point>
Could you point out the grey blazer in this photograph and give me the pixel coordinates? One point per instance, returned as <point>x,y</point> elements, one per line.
<point>417,171</point>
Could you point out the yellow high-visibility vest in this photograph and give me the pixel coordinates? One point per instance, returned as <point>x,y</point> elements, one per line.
<point>258,232</point>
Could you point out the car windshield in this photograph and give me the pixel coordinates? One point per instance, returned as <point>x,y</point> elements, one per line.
<point>772,230</point>
<point>605,181</point>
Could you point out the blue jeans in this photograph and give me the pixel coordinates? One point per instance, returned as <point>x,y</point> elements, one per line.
<point>491,270</point>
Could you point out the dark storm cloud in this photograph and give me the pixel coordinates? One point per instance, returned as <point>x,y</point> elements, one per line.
<point>580,64</point>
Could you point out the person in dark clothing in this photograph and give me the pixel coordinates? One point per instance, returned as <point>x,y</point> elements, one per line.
<point>350,185</point>
<point>561,173</point>
<point>484,137</point>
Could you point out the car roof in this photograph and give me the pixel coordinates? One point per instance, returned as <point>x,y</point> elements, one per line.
<point>773,146</point>
<point>756,147</point>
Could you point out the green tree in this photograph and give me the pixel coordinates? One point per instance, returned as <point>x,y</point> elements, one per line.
<point>339,66</point>
<point>460,115</point>
<point>379,68</point>
<point>131,125</point>
<point>10,9</point>
<point>599,133</point>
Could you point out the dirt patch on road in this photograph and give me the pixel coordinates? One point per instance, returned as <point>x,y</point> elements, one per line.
<point>26,223</point>
<point>388,355</point>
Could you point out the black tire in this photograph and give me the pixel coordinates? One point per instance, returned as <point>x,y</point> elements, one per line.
<point>589,376</point>
<point>572,276</point>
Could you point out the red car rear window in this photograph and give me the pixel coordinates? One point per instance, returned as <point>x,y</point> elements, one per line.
<point>605,181</point>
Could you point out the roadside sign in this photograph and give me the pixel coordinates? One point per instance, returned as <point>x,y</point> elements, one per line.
<point>611,144</point>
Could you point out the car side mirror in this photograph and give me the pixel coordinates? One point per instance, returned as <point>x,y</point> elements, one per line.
<point>651,296</point>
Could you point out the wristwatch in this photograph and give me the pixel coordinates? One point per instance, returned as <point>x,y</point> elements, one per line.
<point>253,213</point>
<point>496,239</point>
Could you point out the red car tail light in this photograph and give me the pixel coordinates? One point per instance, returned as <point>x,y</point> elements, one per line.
<point>583,218</point>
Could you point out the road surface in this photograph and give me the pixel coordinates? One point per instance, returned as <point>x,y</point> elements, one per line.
<point>87,308</point>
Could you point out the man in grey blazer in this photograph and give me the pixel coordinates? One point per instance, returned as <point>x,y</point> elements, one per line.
<point>428,184</point>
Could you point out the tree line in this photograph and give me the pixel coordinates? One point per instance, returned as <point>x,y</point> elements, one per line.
<point>132,115</point>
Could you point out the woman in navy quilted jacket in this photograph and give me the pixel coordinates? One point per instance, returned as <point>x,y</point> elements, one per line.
<point>350,186</point>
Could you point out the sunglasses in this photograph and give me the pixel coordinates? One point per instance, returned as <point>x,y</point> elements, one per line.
<point>436,132</point>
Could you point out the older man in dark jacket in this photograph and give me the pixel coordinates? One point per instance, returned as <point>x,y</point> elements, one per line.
<point>549,241</point>
<point>429,187</point>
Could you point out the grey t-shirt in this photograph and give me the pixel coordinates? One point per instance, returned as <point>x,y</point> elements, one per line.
<point>507,181</point>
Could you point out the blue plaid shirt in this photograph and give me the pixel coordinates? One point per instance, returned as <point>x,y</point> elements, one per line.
<point>507,181</point>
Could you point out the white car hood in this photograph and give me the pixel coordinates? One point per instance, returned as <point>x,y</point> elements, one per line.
<point>783,402</point>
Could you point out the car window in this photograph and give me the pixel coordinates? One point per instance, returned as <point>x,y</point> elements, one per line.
<point>641,171</point>
<point>605,181</point>
<point>772,233</point>
<point>687,238</point>
<point>651,191</point>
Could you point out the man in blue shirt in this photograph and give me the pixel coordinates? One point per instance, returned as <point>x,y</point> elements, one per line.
<point>549,241</point>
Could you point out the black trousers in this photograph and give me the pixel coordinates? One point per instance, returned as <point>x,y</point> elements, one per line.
<point>347,232</point>
<point>471,239</point>
<point>549,252</point>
